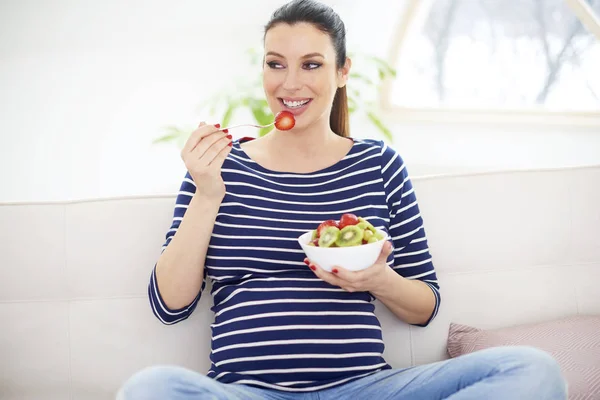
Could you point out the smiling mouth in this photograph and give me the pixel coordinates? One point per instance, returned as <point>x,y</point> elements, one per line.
<point>295,104</point>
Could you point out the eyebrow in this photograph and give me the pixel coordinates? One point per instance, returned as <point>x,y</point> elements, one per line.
<point>309,55</point>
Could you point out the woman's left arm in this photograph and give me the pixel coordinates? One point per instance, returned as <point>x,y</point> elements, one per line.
<point>406,282</point>
<point>413,301</point>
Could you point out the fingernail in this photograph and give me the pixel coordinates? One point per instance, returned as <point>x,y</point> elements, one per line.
<point>229,136</point>
<point>306,261</point>
<point>230,144</point>
<point>335,271</point>
<point>226,130</point>
<point>313,267</point>
<point>217,125</point>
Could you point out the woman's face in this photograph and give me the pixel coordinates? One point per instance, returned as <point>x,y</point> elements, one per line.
<point>300,73</point>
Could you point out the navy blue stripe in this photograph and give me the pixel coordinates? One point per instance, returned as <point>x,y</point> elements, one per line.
<point>255,240</point>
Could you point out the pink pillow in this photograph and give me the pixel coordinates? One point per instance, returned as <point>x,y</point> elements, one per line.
<point>573,341</point>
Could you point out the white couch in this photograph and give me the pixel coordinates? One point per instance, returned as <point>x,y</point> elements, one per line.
<point>509,248</point>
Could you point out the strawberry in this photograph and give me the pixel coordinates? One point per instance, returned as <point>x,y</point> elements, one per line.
<point>324,225</point>
<point>284,120</point>
<point>348,219</point>
<point>316,242</point>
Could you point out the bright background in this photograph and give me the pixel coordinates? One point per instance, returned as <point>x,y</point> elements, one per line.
<point>85,87</point>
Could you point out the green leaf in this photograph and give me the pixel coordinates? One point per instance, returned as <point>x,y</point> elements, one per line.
<point>377,122</point>
<point>383,65</point>
<point>260,111</point>
<point>353,94</point>
<point>264,131</point>
<point>231,107</point>
<point>173,134</point>
<point>361,77</point>
<point>166,138</point>
<point>352,105</point>
<point>246,92</point>
<point>262,114</point>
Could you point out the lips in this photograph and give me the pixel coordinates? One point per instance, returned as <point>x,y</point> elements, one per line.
<point>295,110</point>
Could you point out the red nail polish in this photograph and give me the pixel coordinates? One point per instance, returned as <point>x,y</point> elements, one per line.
<point>229,136</point>
<point>230,144</point>
<point>226,130</point>
<point>306,261</point>
<point>335,271</point>
<point>313,267</point>
<point>217,125</point>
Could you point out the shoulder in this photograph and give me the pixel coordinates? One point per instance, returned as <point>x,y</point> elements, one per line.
<point>387,153</point>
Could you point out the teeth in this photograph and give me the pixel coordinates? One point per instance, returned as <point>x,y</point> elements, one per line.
<point>294,104</point>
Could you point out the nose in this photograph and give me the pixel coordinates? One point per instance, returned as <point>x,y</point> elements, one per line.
<point>292,80</point>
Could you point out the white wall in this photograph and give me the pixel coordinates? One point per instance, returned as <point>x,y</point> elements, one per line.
<point>85,86</point>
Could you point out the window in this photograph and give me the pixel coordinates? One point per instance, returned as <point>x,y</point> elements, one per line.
<point>497,55</point>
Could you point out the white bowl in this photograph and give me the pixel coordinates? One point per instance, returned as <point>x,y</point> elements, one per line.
<point>353,258</point>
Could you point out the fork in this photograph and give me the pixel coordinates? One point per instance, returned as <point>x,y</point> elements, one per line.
<point>252,125</point>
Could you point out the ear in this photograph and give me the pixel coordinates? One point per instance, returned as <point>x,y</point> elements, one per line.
<point>344,73</point>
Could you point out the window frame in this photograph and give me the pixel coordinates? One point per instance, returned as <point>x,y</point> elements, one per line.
<point>464,115</point>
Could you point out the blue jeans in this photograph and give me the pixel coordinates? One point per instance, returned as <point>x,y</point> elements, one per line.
<point>503,373</point>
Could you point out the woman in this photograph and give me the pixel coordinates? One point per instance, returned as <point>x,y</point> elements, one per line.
<point>284,328</point>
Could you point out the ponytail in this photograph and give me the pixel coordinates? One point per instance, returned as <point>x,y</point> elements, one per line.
<point>339,120</point>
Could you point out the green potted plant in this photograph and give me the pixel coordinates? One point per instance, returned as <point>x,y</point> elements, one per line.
<point>367,75</point>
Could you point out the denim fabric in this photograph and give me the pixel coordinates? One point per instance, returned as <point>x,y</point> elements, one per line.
<point>509,372</point>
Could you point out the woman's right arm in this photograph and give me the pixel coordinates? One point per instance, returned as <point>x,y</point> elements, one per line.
<point>178,277</point>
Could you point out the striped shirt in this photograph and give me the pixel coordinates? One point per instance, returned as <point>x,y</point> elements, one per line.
<point>276,325</point>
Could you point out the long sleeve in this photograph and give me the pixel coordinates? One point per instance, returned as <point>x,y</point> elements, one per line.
<point>411,257</point>
<point>166,315</point>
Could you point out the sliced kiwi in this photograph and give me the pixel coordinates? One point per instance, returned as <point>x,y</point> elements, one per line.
<point>373,239</point>
<point>368,225</point>
<point>362,225</point>
<point>314,235</point>
<point>368,234</point>
<point>329,236</point>
<point>350,235</point>
<point>378,235</point>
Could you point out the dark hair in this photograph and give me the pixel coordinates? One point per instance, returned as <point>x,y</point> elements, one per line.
<point>324,18</point>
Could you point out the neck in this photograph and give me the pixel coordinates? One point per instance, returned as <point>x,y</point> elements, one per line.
<point>313,140</point>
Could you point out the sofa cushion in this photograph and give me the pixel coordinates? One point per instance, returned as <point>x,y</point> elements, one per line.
<point>573,341</point>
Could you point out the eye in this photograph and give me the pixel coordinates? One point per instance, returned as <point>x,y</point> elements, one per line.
<point>274,65</point>
<point>312,65</point>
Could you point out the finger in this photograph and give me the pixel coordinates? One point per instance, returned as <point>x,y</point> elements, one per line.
<point>356,277</point>
<point>208,131</point>
<point>205,144</point>
<point>211,152</point>
<point>386,250</point>
<point>197,136</point>
<point>221,156</point>
<point>324,275</point>
<point>348,276</point>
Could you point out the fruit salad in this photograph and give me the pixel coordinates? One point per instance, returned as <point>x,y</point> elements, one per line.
<point>350,230</point>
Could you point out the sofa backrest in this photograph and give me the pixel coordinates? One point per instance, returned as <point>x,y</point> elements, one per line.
<point>509,248</point>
